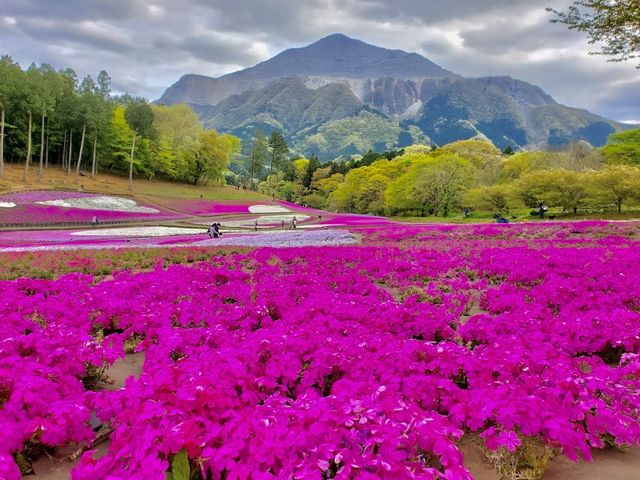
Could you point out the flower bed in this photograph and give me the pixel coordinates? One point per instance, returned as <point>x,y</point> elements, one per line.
<point>338,362</point>
<point>139,232</point>
<point>286,239</point>
<point>202,207</point>
<point>264,220</point>
<point>50,207</point>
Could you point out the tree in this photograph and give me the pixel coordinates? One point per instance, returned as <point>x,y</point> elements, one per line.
<point>442,183</point>
<point>614,24</point>
<point>279,151</point>
<point>177,128</point>
<point>120,137</point>
<point>139,115</point>
<point>556,187</point>
<point>495,198</point>
<point>312,166</point>
<point>258,158</point>
<point>9,73</point>
<point>485,157</point>
<point>623,148</point>
<point>211,155</point>
<point>616,185</point>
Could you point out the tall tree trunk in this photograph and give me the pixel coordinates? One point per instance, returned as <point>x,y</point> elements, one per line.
<point>93,161</point>
<point>26,163</point>
<point>70,152</point>
<point>64,150</point>
<point>46,146</point>
<point>41,166</point>
<point>133,146</point>
<point>2,143</point>
<point>84,130</point>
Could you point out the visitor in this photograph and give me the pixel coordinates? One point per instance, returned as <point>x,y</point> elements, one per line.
<point>216,231</point>
<point>541,209</point>
<point>465,212</point>
<point>94,221</point>
<point>294,223</point>
<point>255,225</point>
<point>282,224</point>
<point>211,230</point>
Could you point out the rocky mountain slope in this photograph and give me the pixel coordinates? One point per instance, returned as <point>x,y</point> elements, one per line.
<point>340,96</point>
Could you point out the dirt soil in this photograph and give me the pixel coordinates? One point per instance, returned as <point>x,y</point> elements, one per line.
<point>59,467</point>
<point>606,465</point>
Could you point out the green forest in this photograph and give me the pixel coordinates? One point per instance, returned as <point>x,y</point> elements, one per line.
<point>50,118</point>
<point>421,180</point>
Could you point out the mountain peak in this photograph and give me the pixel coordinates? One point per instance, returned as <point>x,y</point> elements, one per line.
<point>336,40</point>
<point>340,56</point>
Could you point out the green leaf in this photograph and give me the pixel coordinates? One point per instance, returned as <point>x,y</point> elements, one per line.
<point>180,468</point>
<point>168,476</point>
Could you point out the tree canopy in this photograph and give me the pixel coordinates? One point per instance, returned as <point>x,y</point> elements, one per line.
<point>613,24</point>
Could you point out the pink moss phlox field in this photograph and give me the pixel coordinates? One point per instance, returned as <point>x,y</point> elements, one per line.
<point>203,207</point>
<point>28,212</point>
<point>338,362</point>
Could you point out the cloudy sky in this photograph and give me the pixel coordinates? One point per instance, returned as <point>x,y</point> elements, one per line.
<point>146,45</point>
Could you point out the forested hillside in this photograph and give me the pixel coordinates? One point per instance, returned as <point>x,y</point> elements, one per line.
<point>51,118</point>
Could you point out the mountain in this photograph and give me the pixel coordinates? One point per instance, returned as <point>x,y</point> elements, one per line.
<point>335,56</point>
<point>340,96</point>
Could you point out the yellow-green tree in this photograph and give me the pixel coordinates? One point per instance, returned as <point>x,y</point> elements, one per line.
<point>616,186</point>
<point>497,198</point>
<point>623,148</point>
<point>210,158</point>
<point>485,157</point>
<point>432,184</point>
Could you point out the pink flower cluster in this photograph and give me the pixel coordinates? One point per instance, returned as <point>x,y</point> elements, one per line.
<point>28,212</point>
<point>203,207</point>
<point>337,362</point>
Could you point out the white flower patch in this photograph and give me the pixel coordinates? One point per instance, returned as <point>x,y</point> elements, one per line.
<point>319,225</point>
<point>292,238</point>
<point>268,209</point>
<point>112,204</point>
<point>140,232</point>
<point>7,204</point>
<point>275,220</point>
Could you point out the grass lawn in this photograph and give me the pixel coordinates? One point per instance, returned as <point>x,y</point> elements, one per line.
<point>55,178</point>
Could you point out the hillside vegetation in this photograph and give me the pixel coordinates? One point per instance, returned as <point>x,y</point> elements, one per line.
<point>50,117</point>
<point>469,175</point>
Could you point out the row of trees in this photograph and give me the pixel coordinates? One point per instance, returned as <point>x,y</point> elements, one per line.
<point>474,174</point>
<point>51,117</point>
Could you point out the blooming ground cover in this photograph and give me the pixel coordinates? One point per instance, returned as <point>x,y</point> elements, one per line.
<point>361,361</point>
<point>202,207</point>
<point>52,206</point>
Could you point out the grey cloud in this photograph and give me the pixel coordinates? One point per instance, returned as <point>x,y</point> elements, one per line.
<point>70,10</point>
<point>83,33</point>
<point>148,44</point>
<point>501,35</point>
<point>216,48</point>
